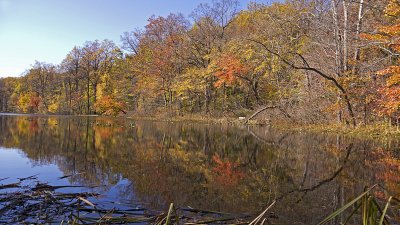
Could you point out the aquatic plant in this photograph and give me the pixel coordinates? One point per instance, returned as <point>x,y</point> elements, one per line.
<point>367,208</point>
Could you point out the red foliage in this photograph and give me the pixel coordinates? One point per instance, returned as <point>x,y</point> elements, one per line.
<point>230,68</point>
<point>226,173</point>
<point>33,125</point>
<point>34,102</point>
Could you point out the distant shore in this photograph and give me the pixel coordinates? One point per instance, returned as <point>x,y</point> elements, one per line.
<point>373,131</point>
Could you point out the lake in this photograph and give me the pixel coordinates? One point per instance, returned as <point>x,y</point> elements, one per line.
<point>213,167</point>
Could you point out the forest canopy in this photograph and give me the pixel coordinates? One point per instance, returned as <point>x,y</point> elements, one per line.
<point>310,61</point>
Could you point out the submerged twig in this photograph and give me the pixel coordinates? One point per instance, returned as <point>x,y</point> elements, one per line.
<point>41,204</point>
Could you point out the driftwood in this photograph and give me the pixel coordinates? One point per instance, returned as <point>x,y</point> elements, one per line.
<point>286,114</point>
<point>41,204</point>
<point>258,112</point>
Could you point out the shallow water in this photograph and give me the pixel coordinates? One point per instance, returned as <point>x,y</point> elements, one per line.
<point>213,167</point>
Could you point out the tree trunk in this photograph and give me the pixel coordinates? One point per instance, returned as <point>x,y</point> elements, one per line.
<point>337,38</point>
<point>206,100</point>
<point>358,32</point>
<point>88,94</point>
<point>345,30</point>
<point>165,100</point>
<point>255,91</point>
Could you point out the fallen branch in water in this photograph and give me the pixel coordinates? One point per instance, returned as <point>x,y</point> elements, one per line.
<point>40,204</point>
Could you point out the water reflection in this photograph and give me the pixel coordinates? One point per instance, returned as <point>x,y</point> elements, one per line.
<point>215,167</point>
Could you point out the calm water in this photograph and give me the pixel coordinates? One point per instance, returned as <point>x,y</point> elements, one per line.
<point>213,167</point>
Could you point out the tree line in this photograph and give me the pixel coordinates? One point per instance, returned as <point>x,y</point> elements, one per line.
<point>309,61</point>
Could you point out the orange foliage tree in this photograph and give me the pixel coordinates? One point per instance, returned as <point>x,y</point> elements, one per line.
<point>34,101</point>
<point>109,106</point>
<point>230,69</point>
<point>389,39</point>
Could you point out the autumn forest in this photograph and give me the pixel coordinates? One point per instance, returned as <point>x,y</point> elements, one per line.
<point>308,61</point>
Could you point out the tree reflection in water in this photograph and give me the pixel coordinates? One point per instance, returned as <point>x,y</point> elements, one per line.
<point>214,167</point>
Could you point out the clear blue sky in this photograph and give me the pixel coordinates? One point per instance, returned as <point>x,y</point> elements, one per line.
<point>46,30</point>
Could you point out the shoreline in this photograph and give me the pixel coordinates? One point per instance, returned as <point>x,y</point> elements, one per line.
<point>375,131</point>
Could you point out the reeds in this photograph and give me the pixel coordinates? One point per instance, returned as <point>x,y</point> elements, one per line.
<point>366,209</point>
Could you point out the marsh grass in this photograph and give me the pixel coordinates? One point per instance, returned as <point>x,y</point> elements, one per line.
<point>381,131</point>
<point>367,209</point>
